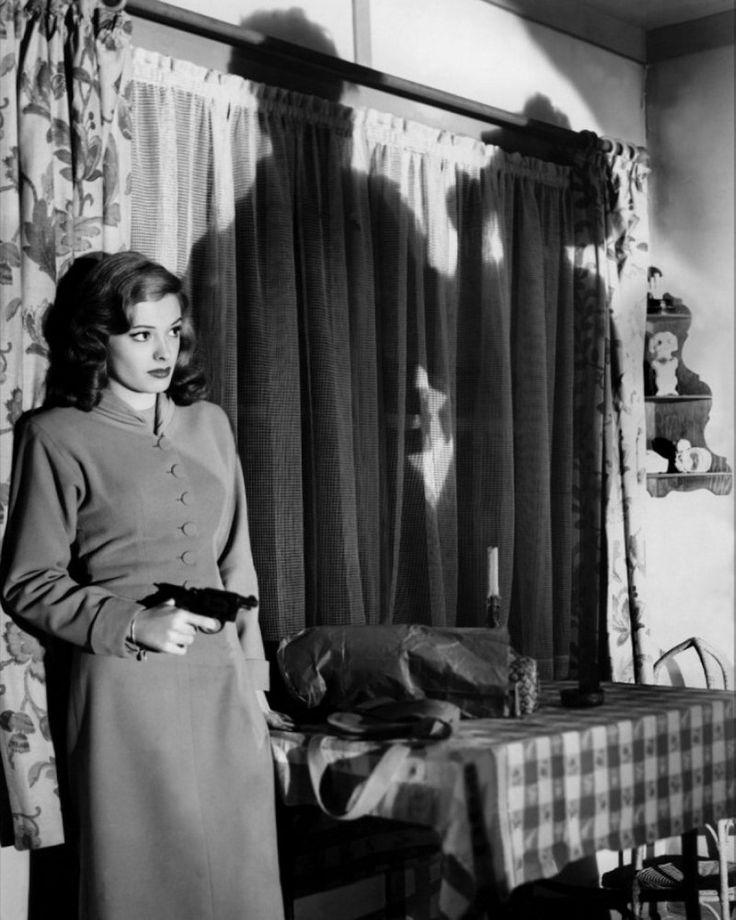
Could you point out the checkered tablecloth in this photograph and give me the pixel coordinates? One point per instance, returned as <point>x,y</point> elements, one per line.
<point>515,800</point>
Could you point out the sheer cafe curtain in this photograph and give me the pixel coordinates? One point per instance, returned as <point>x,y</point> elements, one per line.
<point>388,316</point>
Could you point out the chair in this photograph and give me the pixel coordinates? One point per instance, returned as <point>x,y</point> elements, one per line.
<point>709,659</point>
<point>686,876</point>
<point>319,854</point>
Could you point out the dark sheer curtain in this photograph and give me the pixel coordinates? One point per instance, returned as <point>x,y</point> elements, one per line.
<point>391,318</point>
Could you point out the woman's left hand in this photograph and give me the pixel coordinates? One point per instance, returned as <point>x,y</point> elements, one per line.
<point>274,719</point>
<point>279,720</point>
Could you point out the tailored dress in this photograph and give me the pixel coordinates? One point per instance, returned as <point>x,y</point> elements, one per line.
<point>169,761</point>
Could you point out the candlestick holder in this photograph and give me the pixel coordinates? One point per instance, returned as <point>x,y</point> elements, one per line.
<point>493,611</point>
<point>583,696</point>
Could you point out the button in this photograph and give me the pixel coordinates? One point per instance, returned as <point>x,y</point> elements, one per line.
<point>189,529</point>
<point>187,557</point>
<point>185,498</point>
<point>163,443</point>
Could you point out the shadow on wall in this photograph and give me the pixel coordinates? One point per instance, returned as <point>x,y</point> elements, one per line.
<point>538,108</point>
<point>595,75</point>
<point>293,26</point>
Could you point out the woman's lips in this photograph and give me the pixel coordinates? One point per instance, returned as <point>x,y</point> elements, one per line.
<point>160,372</point>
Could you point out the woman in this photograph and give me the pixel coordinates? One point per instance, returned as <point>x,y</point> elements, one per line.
<point>127,479</point>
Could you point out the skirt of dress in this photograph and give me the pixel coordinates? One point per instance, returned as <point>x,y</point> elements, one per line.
<point>172,776</point>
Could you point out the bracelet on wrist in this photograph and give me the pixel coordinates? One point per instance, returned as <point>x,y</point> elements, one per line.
<point>141,654</point>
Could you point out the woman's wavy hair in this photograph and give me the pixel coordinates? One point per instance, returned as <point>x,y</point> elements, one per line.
<point>95,299</point>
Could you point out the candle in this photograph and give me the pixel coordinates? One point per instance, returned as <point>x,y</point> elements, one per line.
<point>492,553</point>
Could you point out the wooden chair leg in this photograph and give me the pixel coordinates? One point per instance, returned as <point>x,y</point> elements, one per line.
<point>422,890</point>
<point>395,888</point>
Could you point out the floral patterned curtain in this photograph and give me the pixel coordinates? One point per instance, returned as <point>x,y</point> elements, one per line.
<point>64,190</point>
<point>628,251</point>
<point>612,256</point>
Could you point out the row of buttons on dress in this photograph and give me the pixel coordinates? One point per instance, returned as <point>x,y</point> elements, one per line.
<point>187,528</point>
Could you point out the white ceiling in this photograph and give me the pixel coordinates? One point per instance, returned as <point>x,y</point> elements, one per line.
<point>643,30</point>
<point>653,14</point>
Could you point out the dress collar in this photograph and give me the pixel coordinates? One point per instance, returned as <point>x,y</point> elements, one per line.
<point>116,410</point>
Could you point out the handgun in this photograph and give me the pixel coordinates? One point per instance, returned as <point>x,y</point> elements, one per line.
<point>210,602</point>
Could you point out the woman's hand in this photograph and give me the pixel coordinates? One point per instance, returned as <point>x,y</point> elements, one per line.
<point>167,628</point>
<point>279,720</point>
<point>274,719</point>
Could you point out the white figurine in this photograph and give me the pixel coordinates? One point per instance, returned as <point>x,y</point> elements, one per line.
<point>689,459</point>
<point>663,362</point>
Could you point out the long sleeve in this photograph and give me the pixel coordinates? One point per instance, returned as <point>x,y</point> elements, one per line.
<point>235,561</point>
<point>37,585</point>
<point>238,574</point>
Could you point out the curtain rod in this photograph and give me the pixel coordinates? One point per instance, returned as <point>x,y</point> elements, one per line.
<point>266,50</point>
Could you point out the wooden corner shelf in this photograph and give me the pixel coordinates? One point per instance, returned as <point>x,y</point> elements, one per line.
<point>660,484</point>
<point>677,407</point>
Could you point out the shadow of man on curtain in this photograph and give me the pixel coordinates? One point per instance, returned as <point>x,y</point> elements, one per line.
<point>333,366</point>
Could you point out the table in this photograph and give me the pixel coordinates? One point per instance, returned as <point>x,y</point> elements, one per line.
<point>514,800</point>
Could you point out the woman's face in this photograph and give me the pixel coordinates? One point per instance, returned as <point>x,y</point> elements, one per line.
<point>141,360</point>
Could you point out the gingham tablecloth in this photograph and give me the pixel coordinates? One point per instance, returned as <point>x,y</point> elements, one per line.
<point>515,800</point>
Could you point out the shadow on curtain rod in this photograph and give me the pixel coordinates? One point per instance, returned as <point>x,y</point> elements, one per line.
<point>264,49</point>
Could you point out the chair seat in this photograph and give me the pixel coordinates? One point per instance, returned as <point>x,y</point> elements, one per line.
<point>664,875</point>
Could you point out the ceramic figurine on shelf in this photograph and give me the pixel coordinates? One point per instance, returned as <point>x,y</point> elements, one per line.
<point>654,297</point>
<point>663,362</point>
<point>667,457</point>
<point>689,459</point>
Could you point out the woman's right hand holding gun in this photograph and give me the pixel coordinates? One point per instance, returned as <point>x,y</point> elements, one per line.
<point>167,628</point>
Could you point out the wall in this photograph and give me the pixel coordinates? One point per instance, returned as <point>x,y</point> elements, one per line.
<point>690,134</point>
<point>480,51</point>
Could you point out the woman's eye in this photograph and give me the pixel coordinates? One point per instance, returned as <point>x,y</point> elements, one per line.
<point>139,336</point>
<point>176,333</point>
